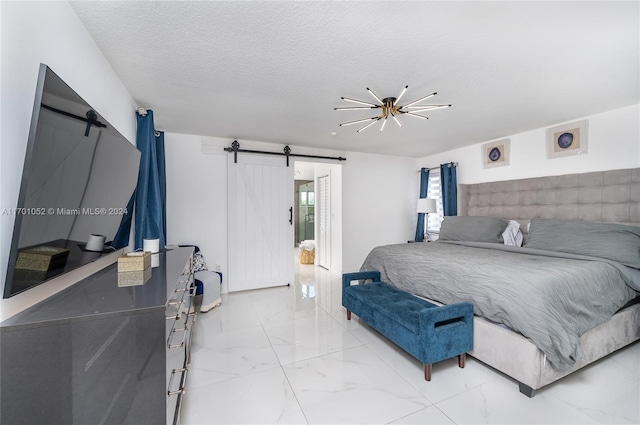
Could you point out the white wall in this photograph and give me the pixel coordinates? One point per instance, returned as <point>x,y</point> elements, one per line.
<point>378,204</point>
<point>197,199</point>
<point>303,170</point>
<point>47,32</point>
<point>614,142</point>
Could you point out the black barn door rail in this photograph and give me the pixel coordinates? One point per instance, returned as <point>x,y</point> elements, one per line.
<point>235,148</point>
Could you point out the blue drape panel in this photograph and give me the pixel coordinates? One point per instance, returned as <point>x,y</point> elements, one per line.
<point>424,187</point>
<point>162,177</point>
<point>150,198</point>
<point>121,239</point>
<point>449,189</point>
<point>150,215</point>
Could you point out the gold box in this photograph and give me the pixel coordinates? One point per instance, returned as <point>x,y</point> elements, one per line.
<point>134,261</point>
<point>134,278</point>
<point>42,258</point>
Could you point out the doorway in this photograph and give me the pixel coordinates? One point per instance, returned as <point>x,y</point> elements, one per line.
<point>319,186</point>
<point>305,208</point>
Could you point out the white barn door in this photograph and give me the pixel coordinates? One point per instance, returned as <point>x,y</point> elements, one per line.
<point>260,217</point>
<point>323,207</point>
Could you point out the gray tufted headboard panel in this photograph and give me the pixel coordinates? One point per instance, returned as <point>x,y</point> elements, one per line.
<point>605,196</point>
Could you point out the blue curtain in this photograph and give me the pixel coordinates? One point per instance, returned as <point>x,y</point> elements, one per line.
<point>150,198</point>
<point>449,189</point>
<point>121,239</point>
<point>424,186</point>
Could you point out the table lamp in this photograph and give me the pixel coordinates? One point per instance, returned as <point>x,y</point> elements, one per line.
<point>426,206</point>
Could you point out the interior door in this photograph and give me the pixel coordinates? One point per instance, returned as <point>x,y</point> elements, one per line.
<point>323,211</point>
<point>260,212</point>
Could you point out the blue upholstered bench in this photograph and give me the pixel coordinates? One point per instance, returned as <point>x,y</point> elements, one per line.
<point>428,332</point>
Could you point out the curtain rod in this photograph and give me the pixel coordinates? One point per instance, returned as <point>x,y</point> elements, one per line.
<point>235,148</point>
<point>437,168</point>
<point>91,117</point>
<point>143,112</point>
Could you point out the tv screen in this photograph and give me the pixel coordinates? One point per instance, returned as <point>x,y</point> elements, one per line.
<point>78,176</point>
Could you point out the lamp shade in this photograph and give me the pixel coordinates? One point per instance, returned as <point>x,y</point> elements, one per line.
<point>427,205</point>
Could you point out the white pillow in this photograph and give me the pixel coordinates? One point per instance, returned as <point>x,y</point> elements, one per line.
<point>512,234</point>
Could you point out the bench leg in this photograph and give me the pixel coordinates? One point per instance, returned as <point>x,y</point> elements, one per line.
<point>427,372</point>
<point>348,315</point>
<point>461,359</point>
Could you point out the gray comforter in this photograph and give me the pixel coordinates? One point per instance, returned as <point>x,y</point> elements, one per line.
<point>549,297</point>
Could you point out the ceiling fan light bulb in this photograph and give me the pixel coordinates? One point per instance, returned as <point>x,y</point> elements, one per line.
<point>420,100</point>
<point>383,124</point>
<point>398,98</point>
<point>374,95</point>
<point>360,102</point>
<point>357,121</point>
<point>429,108</point>
<point>367,126</point>
<point>417,116</point>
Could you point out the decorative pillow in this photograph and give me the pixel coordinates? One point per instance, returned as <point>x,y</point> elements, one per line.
<point>472,229</point>
<point>512,235</point>
<point>198,262</point>
<point>616,242</point>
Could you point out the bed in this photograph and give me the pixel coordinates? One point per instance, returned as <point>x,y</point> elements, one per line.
<point>564,300</point>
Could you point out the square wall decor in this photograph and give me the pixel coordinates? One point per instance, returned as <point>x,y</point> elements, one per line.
<point>568,139</point>
<point>495,154</point>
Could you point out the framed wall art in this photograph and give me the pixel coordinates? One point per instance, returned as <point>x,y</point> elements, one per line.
<point>495,154</point>
<point>568,139</point>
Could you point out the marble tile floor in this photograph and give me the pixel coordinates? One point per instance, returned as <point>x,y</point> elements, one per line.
<point>288,355</point>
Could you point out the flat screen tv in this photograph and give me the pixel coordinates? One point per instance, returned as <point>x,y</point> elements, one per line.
<point>79,174</point>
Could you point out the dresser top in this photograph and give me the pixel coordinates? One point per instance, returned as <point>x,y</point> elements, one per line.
<point>99,295</point>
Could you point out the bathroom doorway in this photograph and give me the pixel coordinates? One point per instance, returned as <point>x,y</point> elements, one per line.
<point>305,207</point>
<point>318,213</point>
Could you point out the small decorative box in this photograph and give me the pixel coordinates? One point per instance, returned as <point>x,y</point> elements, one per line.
<point>133,278</point>
<point>134,261</point>
<point>42,258</point>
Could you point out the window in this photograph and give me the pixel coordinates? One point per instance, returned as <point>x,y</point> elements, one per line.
<point>434,191</point>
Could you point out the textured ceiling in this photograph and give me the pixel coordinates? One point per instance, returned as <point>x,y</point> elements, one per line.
<point>274,71</point>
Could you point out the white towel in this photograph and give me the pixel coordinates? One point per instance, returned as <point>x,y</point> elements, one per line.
<point>512,234</point>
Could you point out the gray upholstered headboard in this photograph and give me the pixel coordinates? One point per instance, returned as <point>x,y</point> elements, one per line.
<point>605,196</point>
